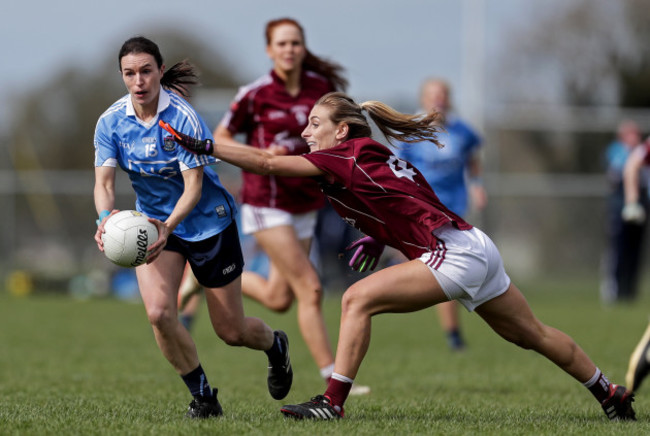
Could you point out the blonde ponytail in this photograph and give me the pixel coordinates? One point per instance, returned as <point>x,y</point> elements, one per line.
<point>393,124</point>
<point>403,127</point>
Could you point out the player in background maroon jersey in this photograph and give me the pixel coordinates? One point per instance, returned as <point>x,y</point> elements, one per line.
<point>281,212</point>
<point>389,200</point>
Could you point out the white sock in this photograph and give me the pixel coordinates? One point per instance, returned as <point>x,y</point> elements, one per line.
<point>589,383</point>
<point>326,371</point>
<point>342,378</point>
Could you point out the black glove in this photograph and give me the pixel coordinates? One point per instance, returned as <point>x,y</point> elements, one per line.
<point>193,145</point>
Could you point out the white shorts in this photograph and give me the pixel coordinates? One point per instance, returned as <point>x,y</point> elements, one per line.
<point>254,219</point>
<point>467,265</point>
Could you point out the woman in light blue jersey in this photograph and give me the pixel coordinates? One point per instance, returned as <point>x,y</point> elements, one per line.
<point>194,215</point>
<point>453,171</point>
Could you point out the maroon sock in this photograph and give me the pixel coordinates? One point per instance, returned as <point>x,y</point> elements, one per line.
<point>337,392</point>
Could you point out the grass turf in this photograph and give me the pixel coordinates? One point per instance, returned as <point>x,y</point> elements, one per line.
<point>92,368</point>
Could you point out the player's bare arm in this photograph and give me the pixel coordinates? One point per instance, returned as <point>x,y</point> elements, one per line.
<point>631,172</point>
<point>247,158</point>
<point>104,188</point>
<point>104,198</point>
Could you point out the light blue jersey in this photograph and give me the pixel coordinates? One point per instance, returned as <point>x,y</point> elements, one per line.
<point>445,168</point>
<point>616,156</point>
<point>154,163</point>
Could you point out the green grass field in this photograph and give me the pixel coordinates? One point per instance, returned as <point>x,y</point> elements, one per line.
<point>92,367</point>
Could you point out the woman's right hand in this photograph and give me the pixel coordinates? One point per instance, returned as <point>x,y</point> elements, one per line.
<point>101,230</point>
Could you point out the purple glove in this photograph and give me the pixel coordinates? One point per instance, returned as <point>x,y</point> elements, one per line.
<point>367,254</point>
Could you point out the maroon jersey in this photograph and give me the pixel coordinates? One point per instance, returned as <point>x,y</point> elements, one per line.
<point>383,196</point>
<point>267,114</point>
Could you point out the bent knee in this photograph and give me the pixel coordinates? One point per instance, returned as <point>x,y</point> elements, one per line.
<point>309,292</point>
<point>354,299</point>
<point>281,303</point>
<point>232,337</point>
<point>161,317</point>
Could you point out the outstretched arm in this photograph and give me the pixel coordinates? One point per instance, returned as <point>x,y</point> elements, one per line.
<point>247,158</point>
<point>258,161</point>
<point>631,173</point>
<point>633,211</point>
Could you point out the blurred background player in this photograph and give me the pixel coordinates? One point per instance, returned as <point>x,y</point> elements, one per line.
<point>635,212</point>
<point>281,212</point>
<point>194,215</point>
<point>454,173</point>
<point>623,253</point>
<point>189,298</point>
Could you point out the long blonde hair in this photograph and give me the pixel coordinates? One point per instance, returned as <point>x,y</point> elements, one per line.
<point>393,124</point>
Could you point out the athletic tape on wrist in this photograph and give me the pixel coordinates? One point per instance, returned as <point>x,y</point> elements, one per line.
<point>103,214</point>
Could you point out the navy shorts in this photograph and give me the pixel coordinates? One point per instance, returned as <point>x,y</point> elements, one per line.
<point>215,261</point>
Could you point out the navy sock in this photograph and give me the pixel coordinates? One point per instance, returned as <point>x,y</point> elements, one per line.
<point>197,383</point>
<point>187,321</point>
<point>275,353</point>
<point>455,340</point>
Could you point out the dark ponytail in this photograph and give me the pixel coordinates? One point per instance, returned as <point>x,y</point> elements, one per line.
<point>179,77</point>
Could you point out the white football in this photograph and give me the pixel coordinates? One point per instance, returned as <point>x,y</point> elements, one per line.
<point>128,236</point>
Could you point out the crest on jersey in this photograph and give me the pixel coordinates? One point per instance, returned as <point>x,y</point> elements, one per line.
<point>221,211</point>
<point>168,143</point>
<point>300,112</point>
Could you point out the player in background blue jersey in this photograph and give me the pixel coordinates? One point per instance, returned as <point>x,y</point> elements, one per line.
<point>194,215</point>
<point>454,173</point>
<point>622,257</point>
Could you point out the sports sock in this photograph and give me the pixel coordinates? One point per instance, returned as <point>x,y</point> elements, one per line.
<point>187,321</point>
<point>197,382</point>
<point>326,372</point>
<point>598,385</point>
<point>275,353</point>
<point>455,339</point>
<point>338,390</point>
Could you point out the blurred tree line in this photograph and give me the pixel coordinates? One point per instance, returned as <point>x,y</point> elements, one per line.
<point>66,109</point>
<point>564,79</point>
<point>588,53</point>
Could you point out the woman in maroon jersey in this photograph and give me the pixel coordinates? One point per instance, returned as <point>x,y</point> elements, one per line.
<point>389,200</point>
<point>281,212</point>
